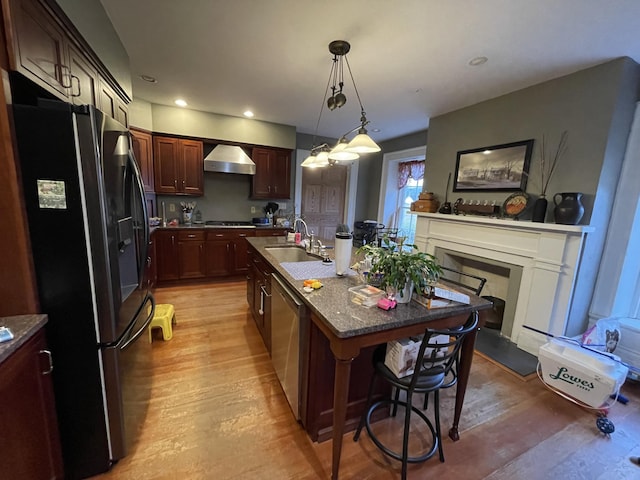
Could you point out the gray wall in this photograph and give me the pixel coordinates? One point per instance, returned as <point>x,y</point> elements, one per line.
<point>595,106</point>
<point>93,23</point>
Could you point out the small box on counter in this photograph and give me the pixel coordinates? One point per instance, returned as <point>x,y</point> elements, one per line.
<point>366,295</point>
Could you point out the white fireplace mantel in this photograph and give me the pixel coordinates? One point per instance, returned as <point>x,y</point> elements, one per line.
<point>549,255</point>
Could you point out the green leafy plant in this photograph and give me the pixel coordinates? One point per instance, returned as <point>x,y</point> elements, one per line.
<point>399,264</point>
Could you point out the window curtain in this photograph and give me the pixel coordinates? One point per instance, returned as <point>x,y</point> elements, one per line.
<point>406,170</point>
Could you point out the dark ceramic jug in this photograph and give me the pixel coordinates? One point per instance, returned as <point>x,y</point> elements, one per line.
<point>569,209</point>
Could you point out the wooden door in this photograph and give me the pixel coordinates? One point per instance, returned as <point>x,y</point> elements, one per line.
<point>281,174</point>
<point>191,255</point>
<point>84,79</point>
<point>142,150</point>
<point>29,441</point>
<point>40,49</point>
<point>165,165</point>
<point>166,255</point>
<point>323,199</point>
<point>192,167</point>
<point>218,256</point>
<point>261,181</point>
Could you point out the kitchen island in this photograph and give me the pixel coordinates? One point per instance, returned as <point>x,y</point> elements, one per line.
<point>350,328</point>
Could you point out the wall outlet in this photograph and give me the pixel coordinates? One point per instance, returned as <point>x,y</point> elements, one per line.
<point>253,209</point>
<point>172,207</point>
<point>283,206</point>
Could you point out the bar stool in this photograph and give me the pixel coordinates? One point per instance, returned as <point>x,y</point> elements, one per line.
<point>163,317</point>
<point>433,363</point>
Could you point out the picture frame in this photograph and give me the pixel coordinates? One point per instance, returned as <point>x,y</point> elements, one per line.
<point>494,168</point>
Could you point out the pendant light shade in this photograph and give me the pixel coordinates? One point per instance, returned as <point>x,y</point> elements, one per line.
<point>309,162</point>
<point>362,143</point>
<point>339,152</point>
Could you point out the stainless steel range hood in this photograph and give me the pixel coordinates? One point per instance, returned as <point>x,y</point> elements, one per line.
<point>229,159</point>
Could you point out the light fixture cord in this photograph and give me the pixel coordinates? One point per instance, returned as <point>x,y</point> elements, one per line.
<point>324,100</point>
<point>355,88</point>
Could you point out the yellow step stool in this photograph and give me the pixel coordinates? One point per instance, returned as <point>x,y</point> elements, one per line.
<point>163,317</point>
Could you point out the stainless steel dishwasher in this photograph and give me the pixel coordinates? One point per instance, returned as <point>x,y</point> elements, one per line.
<point>287,310</point>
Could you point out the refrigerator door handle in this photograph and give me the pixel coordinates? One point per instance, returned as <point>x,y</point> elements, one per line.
<point>134,336</point>
<point>137,177</point>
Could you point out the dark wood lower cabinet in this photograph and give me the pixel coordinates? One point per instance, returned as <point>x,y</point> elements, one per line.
<point>317,364</point>
<point>184,254</point>
<point>29,439</point>
<point>191,255</point>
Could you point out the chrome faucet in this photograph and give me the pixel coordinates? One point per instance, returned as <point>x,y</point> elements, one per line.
<point>295,222</point>
<point>308,238</point>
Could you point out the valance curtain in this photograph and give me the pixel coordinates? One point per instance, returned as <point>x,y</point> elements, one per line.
<point>413,169</point>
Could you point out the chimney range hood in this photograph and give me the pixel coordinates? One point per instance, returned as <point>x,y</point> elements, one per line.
<point>229,159</point>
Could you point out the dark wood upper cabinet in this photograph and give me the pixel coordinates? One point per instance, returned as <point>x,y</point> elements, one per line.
<point>143,150</point>
<point>273,173</point>
<point>178,166</point>
<point>44,47</point>
<point>39,47</point>
<point>84,79</point>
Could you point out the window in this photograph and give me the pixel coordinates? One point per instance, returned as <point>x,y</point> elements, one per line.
<point>402,182</point>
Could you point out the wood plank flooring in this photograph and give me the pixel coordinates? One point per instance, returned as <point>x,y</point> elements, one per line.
<point>218,412</point>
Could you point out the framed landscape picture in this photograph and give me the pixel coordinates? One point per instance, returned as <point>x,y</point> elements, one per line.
<point>495,168</point>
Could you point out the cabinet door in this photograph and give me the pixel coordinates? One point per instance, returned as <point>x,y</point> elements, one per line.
<point>84,79</point>
<point>251,284</point>
<point>107,99</point>
<point>165,165</point>
<point>239,254</point>
<point>191,256</point>
<point>281,174</point>
<point>192,167</point>
<point>218,257</point>
<point>29,441</point>
<point>39,49</point>
<point>152,266</point>
<point>166,243</point>
<point>142,149</point>
<point>273,173</point>
<point>261,181</point>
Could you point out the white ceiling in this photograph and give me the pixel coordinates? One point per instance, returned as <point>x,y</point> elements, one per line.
<point>409,58</point>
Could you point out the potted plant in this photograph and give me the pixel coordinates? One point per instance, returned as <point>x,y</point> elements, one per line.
<point>401,267</point>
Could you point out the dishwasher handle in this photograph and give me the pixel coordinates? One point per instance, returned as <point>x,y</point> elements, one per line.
<point>263,294</point>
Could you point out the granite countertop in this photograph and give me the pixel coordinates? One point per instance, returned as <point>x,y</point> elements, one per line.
<point>23,328</point>
<point>208,227</point>
<point>332,303</point>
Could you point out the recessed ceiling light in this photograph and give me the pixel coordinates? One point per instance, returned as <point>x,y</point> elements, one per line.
<point>474,62</point>
<point>149,78</point>
<point>181,103</point>
<point>375,130</point>
<point>248,114</point>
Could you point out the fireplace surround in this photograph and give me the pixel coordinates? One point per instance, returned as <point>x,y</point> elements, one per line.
<point>548,254</point>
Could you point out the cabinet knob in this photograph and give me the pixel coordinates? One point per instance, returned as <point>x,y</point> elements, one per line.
<point>191,235</point>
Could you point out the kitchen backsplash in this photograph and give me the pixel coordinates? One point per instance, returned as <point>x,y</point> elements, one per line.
<point>226,197</point>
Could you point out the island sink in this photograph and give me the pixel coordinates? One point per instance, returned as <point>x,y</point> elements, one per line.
<point>291,253</point>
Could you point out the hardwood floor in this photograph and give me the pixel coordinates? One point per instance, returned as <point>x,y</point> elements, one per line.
<point>218,412</point>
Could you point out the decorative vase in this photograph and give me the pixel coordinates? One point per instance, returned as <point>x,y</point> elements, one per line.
<point>404,296</point>
<point>539,209</point>
<point>569,210</point>
<point>186,217</point>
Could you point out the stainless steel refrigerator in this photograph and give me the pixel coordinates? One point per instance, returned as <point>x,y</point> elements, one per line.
<point>89,235</point>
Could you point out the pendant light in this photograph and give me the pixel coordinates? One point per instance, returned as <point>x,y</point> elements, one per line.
<point>321,156</point>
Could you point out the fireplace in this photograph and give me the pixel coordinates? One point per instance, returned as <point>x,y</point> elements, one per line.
<point>539,261</point>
